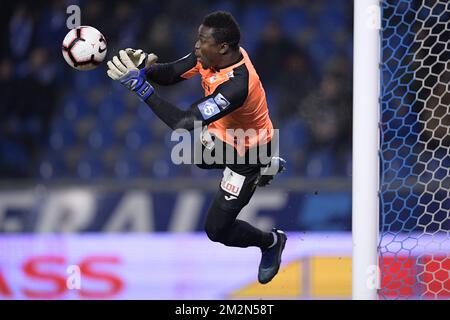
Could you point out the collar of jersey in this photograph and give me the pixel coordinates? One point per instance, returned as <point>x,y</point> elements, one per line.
<point>234,65</point>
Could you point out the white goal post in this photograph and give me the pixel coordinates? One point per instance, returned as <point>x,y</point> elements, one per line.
<point>365,171</point>
<point>401,149</point>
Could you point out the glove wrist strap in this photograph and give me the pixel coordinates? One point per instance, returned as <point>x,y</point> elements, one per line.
<point>144,91</point>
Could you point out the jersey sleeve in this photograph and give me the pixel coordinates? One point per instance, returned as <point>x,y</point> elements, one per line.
<point>174,72</point>
<point>227,97</point>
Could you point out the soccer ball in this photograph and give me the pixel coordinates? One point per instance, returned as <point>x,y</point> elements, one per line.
<point>84,48</point>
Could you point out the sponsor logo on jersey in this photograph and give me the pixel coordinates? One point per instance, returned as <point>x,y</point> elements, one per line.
<point>221,101</point>
<point>208,108</point>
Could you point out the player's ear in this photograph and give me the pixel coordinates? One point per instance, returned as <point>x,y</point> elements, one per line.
<point>224,47</point>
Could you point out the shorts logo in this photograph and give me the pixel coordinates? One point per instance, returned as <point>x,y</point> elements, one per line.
<point>208,108</point>
<point>232,182</point>
<point>231,188</point>
<point>221,101</point>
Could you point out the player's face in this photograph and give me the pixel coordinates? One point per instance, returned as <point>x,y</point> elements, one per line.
<point>206,48</point>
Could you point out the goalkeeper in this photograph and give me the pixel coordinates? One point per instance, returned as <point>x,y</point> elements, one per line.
<point>234,99</point>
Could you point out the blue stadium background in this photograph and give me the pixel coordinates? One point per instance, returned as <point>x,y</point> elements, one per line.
<point>63,127</point>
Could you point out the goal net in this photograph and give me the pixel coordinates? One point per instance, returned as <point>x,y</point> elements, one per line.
<point>414,244</point>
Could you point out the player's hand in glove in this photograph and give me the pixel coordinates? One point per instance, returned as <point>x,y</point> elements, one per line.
<point>138,57</point>
<point>132,78</point>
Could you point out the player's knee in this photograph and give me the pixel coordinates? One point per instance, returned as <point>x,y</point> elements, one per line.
<point>215,232</point>
<point>230,208</point>
<point>218,222</point>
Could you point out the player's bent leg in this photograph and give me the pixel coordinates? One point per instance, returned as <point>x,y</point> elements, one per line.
<point>218,222</point>
<point>221,224</point>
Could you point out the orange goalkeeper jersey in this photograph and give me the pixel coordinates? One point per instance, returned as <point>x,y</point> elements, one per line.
<point>238,88</point>
<point>234,107</point>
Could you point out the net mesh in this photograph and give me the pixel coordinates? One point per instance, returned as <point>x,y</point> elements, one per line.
<point>414,246</point>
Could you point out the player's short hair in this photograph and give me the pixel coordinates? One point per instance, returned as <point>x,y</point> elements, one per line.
<point>225,27</point>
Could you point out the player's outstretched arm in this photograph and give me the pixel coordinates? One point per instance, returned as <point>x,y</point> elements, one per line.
<point>173,72</point>
<point>227,97</point>
<point>164,73</point>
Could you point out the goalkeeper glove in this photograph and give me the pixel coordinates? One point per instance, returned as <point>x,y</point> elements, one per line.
<point>132,78</point>
<point>141,59</point>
